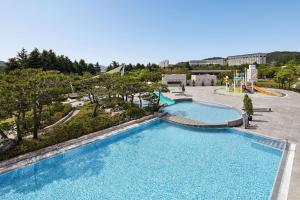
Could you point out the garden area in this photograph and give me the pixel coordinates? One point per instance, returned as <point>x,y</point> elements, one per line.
<point>31,99</point>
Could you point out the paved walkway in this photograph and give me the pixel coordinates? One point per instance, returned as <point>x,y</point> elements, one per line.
<point>283,122</point>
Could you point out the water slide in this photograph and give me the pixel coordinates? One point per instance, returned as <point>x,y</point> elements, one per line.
<point>263,91</point>
<point>245,89</point>
<point>258,89</point>
<point>164,99</point>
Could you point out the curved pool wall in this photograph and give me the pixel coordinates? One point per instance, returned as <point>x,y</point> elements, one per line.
<point>156,160</point>
<point>204,112</point>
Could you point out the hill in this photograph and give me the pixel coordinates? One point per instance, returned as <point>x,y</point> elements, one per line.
<point>283,57</point>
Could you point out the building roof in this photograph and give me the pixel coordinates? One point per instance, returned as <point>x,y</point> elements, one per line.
<point>209,71</point>
<point>252,54</point>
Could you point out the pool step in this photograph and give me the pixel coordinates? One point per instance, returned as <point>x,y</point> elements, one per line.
<point>272,143</point>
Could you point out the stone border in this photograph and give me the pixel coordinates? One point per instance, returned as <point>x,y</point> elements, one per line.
<point>183,99</point>
<point>279,182</point>
<point>50,151</point>
<point>199,124</point>
<point>287,173</point>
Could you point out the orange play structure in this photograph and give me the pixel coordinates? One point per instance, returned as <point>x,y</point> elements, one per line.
<point>258,89</point>
<point>243,82</point>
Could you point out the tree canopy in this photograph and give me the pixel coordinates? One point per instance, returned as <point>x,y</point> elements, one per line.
<point>49,60</point>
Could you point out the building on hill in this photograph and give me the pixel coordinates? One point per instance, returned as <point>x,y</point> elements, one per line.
<point>256,58</point>
<point>209,61</point>
<point>211,72</point>
<point>164,63</point>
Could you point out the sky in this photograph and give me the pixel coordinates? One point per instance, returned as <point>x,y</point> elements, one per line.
<point>131,31</point>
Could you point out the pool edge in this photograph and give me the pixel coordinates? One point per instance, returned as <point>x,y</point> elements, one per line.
<point>50,151</point>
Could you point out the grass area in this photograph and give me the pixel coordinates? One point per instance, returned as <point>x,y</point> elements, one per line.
<point>81,124</point>
<point>267,84</point>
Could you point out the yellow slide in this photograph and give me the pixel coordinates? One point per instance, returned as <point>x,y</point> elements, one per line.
<point>263,91</point>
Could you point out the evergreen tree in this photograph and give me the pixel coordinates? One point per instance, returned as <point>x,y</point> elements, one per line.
<point>34,59</point>
<point>22,58</point>
<point>97,67</point>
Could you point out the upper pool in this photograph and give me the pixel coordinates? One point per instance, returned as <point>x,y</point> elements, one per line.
<point>153,161</point>
<point>203,112</point>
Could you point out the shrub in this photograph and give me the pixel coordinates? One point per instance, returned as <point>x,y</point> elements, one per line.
<point>182,88</point>
<point>193,83</point>
<point>267,84</point>
<point>134,112</point>
<point>248,106</point>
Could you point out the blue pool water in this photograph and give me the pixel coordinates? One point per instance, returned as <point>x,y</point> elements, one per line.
<point>203,112</point>
<point>153,161</point>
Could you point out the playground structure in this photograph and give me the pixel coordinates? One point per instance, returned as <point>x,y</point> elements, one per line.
<point>243,82</point>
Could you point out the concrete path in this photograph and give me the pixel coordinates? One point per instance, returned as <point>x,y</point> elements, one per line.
<point>283,122</point>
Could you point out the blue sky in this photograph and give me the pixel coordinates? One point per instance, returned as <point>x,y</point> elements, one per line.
<point>149,30</point>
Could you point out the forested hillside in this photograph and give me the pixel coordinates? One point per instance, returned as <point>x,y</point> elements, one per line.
<point>283,57</point>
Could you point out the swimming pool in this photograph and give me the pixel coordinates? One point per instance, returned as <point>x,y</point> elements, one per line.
<point>156,160</point>
<point>203,112</point>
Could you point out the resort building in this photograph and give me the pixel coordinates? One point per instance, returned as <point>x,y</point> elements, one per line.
<point>174,79</point>
<point>204,80</point>
<point>164,63</point>
<point>258,58</point>
<point>204,62</point>
<point>211,72</point>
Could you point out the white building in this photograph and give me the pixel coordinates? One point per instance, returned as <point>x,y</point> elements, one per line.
<point>204,80</point>
<point>216,61</point>
<point>174,79</point>
<point>164,63</point>
<point>252,74</point>
<point>259,58</point>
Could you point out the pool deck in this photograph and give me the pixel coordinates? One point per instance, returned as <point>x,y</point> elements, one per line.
<point>283,122</point>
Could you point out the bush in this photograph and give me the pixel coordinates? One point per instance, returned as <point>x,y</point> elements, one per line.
<point>267,84</point>
<point>134,112</point>
<point>248,106</point>
<point>182,88</point>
